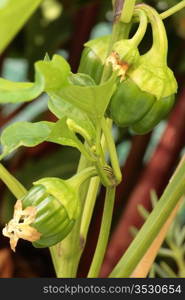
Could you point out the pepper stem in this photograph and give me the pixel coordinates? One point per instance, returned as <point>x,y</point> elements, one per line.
<point>143,22</point>
<point>160,42</point>
<point>77,180</point>
<point>173,10</point>
<point>104,233</point>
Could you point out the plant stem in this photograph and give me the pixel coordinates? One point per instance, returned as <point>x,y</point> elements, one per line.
<point>91,198</point>
<point>78,179</point>
<point>104,233</point>
<point>143,22</point>
<point>173,10</point>
<point>17,189</point>
<point>160,42</point>
<point>119,31</point>
<point>150,229</point>
<point>89,207</point>
<point>127,11</point>
<point>102,174</point>
<point>112,150</point>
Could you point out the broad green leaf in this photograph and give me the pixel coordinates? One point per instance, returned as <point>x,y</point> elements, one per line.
<point>92,99</point>
<point>24,134</point>
<point>32,134</point>
<point>13,92</point>
<point>13,15</point>
<point>61,109</point>
<point>49,75</point>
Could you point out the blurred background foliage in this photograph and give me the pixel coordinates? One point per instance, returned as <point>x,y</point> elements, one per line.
<point>62,26</point>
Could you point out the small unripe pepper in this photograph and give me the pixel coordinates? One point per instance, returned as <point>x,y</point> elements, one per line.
<point>47,213</point>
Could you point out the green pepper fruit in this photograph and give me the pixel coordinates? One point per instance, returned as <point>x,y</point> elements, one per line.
<point>57,209</point>
<point>93,57</point>
<point>147,94</point>
<point>47,213</point>
<point>128,104</point>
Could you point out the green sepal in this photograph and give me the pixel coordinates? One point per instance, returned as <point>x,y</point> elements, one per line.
<point>155,80</point>
<point>127,51</point>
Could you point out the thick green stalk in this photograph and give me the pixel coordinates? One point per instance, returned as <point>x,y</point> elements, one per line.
<point>127,11</point>
<point>119,31</point>
<point>17,189</point>
<point>150,229</point>
<point>104,233</point>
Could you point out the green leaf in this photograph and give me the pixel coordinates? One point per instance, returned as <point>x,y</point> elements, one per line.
<point>62,135</point>
<point>49,75</point>
<point>13,92</point>
<point>31,134</point>
<point>13,15</point>
<point>24,134</point>
<point>54,72</point>
<point>92,99</point>
<point>61,109</point>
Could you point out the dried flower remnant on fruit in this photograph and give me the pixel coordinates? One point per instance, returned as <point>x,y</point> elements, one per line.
<point>19,226</point>
<point>117,64</point>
